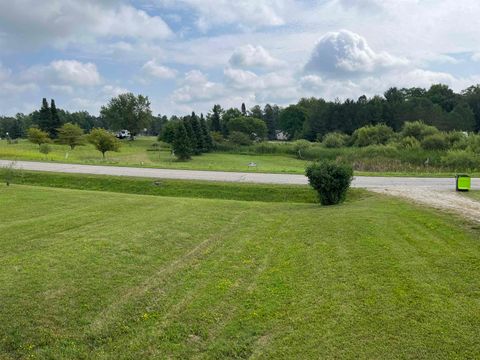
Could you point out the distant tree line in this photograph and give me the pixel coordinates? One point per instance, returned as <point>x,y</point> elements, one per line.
<point>310,118</point>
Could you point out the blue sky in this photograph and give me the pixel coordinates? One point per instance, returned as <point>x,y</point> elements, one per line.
<point>190,54</point>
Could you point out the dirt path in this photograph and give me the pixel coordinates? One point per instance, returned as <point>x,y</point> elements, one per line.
<point>440,199</point>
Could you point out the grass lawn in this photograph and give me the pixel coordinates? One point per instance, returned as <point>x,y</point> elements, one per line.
<point>135,154</point>
<point>176,188</point>
<point>90,274</point>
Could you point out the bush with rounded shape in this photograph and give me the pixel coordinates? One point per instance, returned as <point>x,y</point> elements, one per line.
<point>435,142</point>
<point>45,149</point>
<point>372,135</point>
<point>461,160</point>
<point>418,129</point>
<point>103,141</point>
<point>457,140</point>
<point>239,138</point>
<point>253,127</point>
<point>330,180</point>
<point>335,140</point>
<point>71,135</point>
<point>37,136</point>
<point>408,142</point>
<point>300,146</point>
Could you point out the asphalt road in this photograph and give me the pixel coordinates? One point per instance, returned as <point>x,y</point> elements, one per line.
<point>367,182</point>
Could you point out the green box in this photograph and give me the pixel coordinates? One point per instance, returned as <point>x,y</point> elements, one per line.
<point>463,182</point>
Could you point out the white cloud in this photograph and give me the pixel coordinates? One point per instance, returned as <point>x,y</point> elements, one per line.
<point>61,22</point>
<point>346,53</point>
<point>197,88</point>
<point>65,72</point>
<point>112,90</point>
<point>476,57</point>
<point>241,79</point>
<point>248,56</point>
<point>154,69</point>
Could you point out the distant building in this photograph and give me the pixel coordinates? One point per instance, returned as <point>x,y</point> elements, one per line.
<point>280,135</point>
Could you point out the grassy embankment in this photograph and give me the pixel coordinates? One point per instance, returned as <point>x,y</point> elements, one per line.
<point>270,158</point>
<point>91,274</point>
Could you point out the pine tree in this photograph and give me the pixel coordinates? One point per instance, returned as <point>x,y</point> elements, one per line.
<point>45,117</point>
<point>197,130</point>
<point>191,135</point>
<point>244,109</point>
<point>207,137</point>
<point>215,118</point>
<point>55,121</point>
<point>181,143</point>
<point>270,121</point>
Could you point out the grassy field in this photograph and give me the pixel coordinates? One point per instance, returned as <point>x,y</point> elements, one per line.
<point>175,188</point>
<point>91,274</point>
<point>135,154</point>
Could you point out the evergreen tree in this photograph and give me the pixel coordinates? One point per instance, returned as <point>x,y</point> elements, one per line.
<point>45,116</point>
<point>191,135</point>
<point>181,144</point>
<point>207,137</point>
<point>270,121</point>
<point>55,121</point>
<point>215,118</point>
<point>244,109</point>
<point>256,112</point>
<point>197,131</point>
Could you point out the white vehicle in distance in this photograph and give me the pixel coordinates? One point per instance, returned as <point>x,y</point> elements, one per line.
<point>123,134</point>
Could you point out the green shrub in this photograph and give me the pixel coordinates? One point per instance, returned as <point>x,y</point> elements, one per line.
<point>474,144</point>
<point>167,133</point>
<point>408,142</point>
<point>457,140</point>
<point>461,160</point>
<point>45,149</point>
<point>435,142</point>
<point>239,138</point>
<point>372,135</point>
<point>335,140</point>
<point>300,146</point>
<point>217,137</point>
<point>418,129</point>
<point>38,136</point>
<point>330,180</point>
<point>8,173</point>
<point>103,141</point>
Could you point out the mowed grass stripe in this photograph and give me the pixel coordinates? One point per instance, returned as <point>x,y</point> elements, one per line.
<point>181,278</point>
<point>173,188</point>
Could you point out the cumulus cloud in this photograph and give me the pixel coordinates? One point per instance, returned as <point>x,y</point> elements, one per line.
<point>65,72</point>
<point>241,79</point>
<point>344,53</point>
<point>61,22</point>
<point>152,68</point>
<point>253,56</point>
<point>197,88</point>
